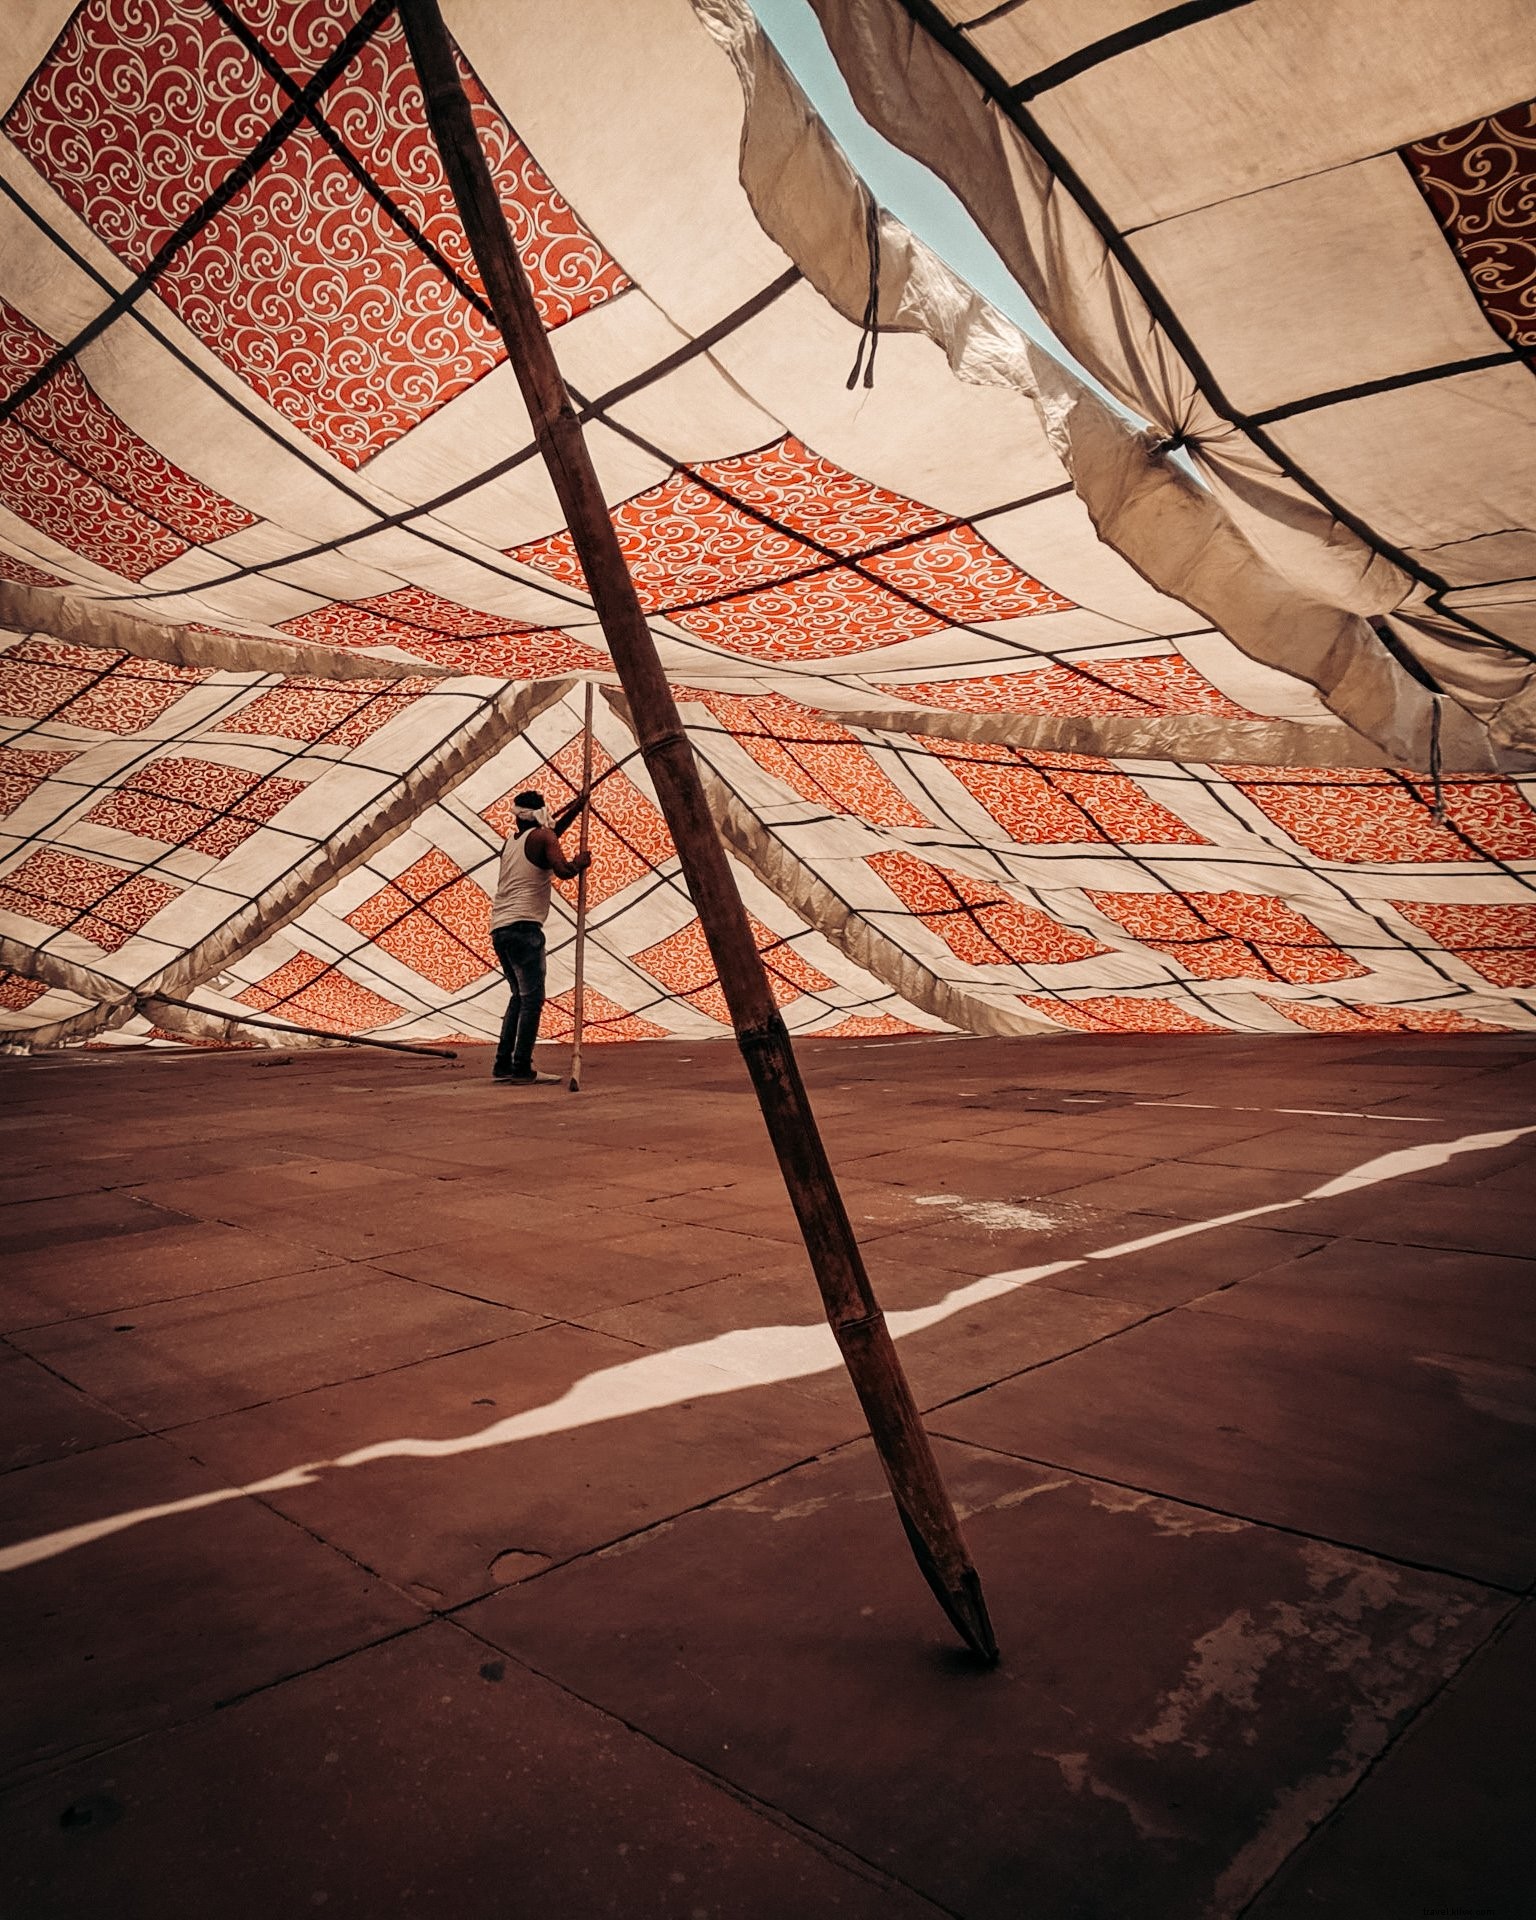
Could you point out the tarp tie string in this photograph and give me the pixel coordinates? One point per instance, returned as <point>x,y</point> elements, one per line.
<point>1437,811</point>
<point>869,332</point>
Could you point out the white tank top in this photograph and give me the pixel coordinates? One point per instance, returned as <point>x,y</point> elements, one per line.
<point>522,888</point>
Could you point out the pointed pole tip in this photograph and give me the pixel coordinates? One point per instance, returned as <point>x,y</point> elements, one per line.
<point>967,1608</point>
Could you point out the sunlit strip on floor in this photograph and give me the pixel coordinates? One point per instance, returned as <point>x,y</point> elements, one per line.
<point>731,1362</point>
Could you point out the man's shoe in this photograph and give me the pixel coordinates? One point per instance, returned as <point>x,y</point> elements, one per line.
<point>528,1079</point>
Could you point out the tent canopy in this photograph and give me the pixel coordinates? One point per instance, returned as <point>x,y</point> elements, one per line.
<point>1009,725</point>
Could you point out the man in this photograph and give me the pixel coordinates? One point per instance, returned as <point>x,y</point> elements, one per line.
<point>530,860</point>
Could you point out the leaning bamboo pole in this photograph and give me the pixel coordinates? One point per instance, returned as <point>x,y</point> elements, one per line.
<point>855,1316</point>
<point>579,987</point>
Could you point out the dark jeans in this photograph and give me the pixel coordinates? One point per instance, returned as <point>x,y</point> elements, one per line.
<point>520,949</point>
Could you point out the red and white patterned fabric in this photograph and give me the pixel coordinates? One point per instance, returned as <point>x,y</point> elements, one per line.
<point>976,761</point>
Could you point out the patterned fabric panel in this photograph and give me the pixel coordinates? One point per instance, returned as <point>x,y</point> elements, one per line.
<point>88,687</point>
<point>1039,797</point>
<point>440,631</point>
<point>683,965</point>
<point>602,1020</point>
<point>323,712</point>
<point>197,804</point>
<point>1359,814</point>
<point>812,755</point>
<point>1118,1013</point>
<point>103,904</point>
<point>744,553</point>
<point>26,575</point>
<point>1480,182</point>
<point>17,992</point>
<point>1499,942</point>
<point>435,919</point>
<point>867,1026</point>
<point>66,459</point>
<point>309,992</point>
<point>305,285</point>
<point>23,771</point>
<point>1159,685</point>
<point>981,925</point>
<point>1227,936</point>
<point>1353,1018</point>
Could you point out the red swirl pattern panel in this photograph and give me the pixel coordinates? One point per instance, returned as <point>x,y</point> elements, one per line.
<point>67,417</point>
<point>104,904</point>
<point>819,500</point>
<point>1118,1013</point>
<point>199,804</point>
<point>17,992</point>
<point>87,687</point>
<point>433,919</point>
<point>1048,798</point>
<point>683,544</point>
<point>446,634</point>
<point>26,575</point>
<point>813,756</point>
<point>23,771</point>
<point>683,965</point>
<point>1166,684</point>
<point>628,838</point>
<point>1358,814</point>
<point>1230,936</point>
<point>303,284</point>
<point>325,712</point>
<point>1480,182</point>
<point>53,495</point>
<point>602,1020</point>
<point>1351,1017</point>
<point>981,925</point>
<point>867,1026</point>
<point>1497,941</point>
<point>311,992</point>
<point>963,577</point>
<point>743,553</point>
<point>815,617</point>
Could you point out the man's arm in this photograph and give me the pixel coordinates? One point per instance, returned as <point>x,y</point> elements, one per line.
<point>568,813</point>
<point>544,851</point>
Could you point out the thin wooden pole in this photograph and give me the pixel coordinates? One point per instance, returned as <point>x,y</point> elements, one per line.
<point>579,991</point>
<point>855,1316</point>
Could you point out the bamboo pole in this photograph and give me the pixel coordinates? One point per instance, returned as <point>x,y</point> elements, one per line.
<point>579,990</point>
<point>855,1316</point>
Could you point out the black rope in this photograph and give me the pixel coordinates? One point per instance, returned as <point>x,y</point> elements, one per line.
<point>1437,811</point>
<point>869,334</point>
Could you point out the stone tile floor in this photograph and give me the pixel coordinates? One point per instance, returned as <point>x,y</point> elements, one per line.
<point>399,1514</point>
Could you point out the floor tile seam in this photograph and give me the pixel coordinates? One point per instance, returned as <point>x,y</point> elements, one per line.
<point>1098,1340</point>
<point>140,1431</point>
<point>1313,1837</point>
<point>1410,1351</point>
<point>215,1294</point>
<point>206,1293</point>
<point>17,1246</point>
<point>14,1784</point>
<point>70,1193</point>
<point>345,1380</point>
<point>665,1522</point>
<point>837,1852</point>
<point>1493,1587</point>
<point>605,1333</point>
<point>455,1293</point>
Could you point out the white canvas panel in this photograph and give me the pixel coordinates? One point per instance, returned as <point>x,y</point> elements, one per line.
<point>1317,285</point>
<point>1279,89</point>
